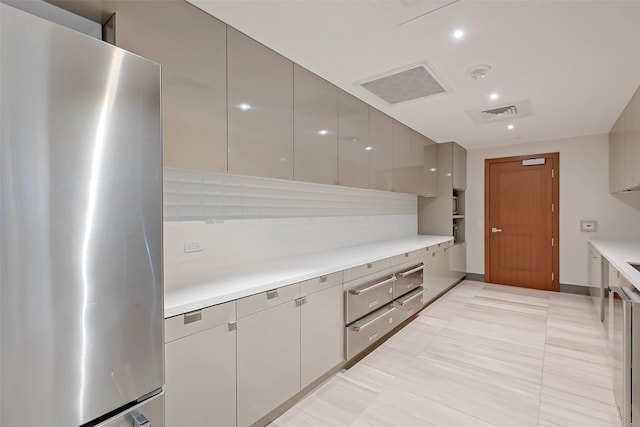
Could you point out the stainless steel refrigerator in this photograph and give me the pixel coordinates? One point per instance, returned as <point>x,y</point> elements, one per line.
<point>81,292</point>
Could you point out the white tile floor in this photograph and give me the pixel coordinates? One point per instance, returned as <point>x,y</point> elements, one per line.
<point>482,355</point>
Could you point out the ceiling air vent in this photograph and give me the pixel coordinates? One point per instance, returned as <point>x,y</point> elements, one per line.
<point>407,84</point>
<point>510,111</point>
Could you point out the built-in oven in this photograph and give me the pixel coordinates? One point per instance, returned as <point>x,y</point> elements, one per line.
<point>624,345</point>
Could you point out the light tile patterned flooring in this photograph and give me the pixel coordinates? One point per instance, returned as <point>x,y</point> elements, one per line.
<point>482,355</point>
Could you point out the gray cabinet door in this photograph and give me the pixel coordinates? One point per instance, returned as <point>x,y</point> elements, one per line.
<point>268,361</point>
<point>381,153</point>
<point>201,379</point>
<point>315,128</point>
<point>353,141</point>
<point>260,109</point>
<point>322,333</point>
<point>459,167</point>
<point>191,47</point>
<point>431,165</point>
<point>408,160</point>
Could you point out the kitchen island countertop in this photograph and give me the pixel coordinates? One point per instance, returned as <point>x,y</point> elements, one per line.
<point>619,253</point>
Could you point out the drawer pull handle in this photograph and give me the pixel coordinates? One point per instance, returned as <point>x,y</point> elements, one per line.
<point>233,326</point>
<point>369,265</point>
<point>401,303</point>
<point>139,420</point>
<point>194,316</point>
<point>413,270</point>
<point>323,279</point>
<point>301,301</point>
<point>272,294</point>
<point>372,287</point>
<point>363,327</point>
<point>406,255</point>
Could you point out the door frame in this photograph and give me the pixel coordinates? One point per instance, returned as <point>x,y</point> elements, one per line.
<point>555,158</point>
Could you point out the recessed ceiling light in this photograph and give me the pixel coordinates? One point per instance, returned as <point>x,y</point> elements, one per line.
<point>510,127</point>
<point>494,96</point>
<point>458,34</point>
<point>245,107</point>
<point>368,148</point>
<point>434,169</point>
<point>323,132</point>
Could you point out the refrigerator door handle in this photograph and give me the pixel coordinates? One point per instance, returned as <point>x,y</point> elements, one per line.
<point>139,420</point>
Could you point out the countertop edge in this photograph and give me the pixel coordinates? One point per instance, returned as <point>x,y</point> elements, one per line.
<point>228,288</point>
<point>618,253</point>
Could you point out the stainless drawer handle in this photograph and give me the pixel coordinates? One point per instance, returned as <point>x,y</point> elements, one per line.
<point>411,298</point>
<point>301,301</point>
<point>363,327</point>
<point>369,265</point>
<point>272,294</point>
<point>232,326</point>
<point>140,420</point>
<point>323,279</point>
<point>372,287</point>
<point>413,270</point>
<point>194,316</point>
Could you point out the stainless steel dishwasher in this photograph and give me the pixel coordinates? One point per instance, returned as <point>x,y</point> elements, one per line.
<point>624,323</point>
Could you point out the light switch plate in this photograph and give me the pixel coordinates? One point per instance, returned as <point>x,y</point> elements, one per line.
<point>588,225</point>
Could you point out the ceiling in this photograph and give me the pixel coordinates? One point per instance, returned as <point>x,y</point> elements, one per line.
<point>573,64</point>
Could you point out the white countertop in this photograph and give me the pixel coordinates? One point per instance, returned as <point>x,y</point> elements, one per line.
<point>241,282</point>
<point>619,253</point>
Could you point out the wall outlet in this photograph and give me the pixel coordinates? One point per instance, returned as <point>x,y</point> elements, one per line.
<point>192,246</point>
<point>588,225</point>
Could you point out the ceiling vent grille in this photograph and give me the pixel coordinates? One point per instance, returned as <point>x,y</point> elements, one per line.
<point>405,85</point>
<point>508,111</point>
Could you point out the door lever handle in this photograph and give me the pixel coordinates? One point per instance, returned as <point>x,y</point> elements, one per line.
<point>496,230</point>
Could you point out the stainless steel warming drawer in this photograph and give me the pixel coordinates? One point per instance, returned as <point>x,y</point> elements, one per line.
<point>409,304</point>
<point>408,279</point>
<point>368,297</point>
<point>370,329</point>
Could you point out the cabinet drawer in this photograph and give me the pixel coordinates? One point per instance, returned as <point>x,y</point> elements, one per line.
<point>199,320</point>
<point>320,283</point>
<point>366,269</point>
<point>408,278</point>
<point>409,304</point>
<point>367,297</point>
<point>370,329</point>
<point>407,257</point>
<point>263,300</point>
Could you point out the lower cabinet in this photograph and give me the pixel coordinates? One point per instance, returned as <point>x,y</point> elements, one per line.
<point>268,360</point>
<point>200,369</point>
<point>284,348</point>
<point>322,338</point>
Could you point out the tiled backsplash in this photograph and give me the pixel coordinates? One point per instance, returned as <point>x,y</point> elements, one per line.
<point>238,220</point>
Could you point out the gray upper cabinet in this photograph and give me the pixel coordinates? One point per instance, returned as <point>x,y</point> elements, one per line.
<point>381,153</point>
<point>353,141</point>
<point>191,47</point>
<point>315,128</point>
<point>431,166</point>
<point>459,167</point>
<point>260,109</point>
<point>408,160</point>
<point>624,148</point>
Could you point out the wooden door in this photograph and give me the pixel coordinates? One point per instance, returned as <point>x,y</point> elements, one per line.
<point>521,221</point>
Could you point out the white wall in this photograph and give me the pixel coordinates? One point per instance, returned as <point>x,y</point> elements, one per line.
<point>240,221</point>
<point>584,194</point>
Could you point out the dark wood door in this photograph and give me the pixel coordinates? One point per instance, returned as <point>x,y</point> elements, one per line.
<point>521,221</point>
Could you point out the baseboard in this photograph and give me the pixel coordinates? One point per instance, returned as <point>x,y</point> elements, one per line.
<point>475,277</point>
<point>574,289</point>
